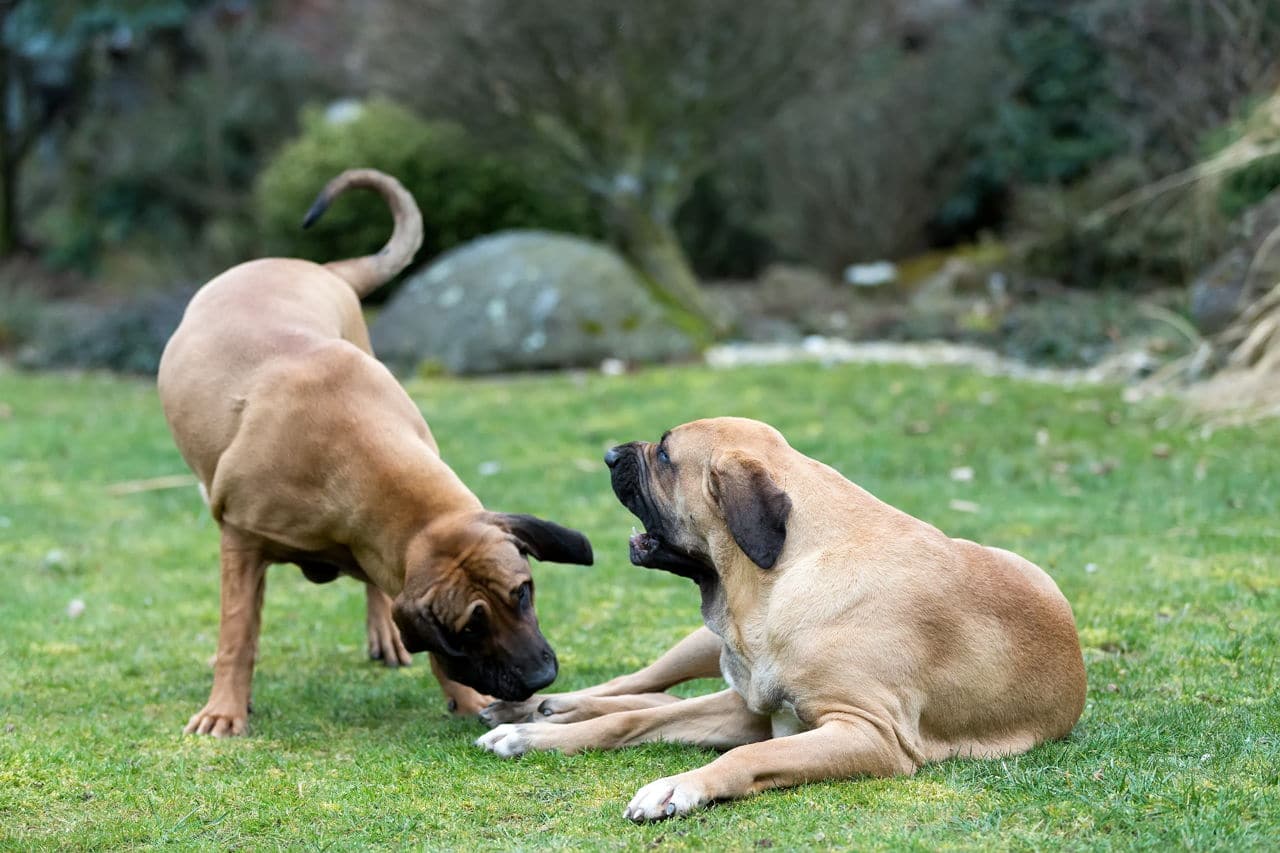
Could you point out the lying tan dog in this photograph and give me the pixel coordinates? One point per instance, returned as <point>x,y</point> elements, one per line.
<point>310,452</point>
<point>856,639</point>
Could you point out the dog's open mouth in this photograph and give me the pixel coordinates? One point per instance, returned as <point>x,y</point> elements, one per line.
<point>653,552</point>
<point>643,546</point>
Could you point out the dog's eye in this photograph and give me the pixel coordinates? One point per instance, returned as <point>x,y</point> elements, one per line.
<point>662,456</point>
<point>475,625</point>
<point>523,595</point>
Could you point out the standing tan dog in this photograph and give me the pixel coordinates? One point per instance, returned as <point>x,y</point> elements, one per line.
<point>309,452</point>
<point>856,640</point>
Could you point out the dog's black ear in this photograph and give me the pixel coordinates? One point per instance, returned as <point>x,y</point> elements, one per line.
<point>545,540</point>
<point>754,508</point>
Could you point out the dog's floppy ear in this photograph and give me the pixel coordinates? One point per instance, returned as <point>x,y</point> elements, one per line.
<point>545,540</point>
<point>754,508</point>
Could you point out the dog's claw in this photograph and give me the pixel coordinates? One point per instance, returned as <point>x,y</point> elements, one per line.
<point>667,798</point>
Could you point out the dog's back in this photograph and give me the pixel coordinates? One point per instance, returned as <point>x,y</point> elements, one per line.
<point>269,309</point>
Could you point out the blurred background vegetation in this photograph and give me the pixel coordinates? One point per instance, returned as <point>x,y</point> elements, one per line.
<point>746,157</point>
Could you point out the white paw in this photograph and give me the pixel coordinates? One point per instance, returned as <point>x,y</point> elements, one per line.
<point>508,740</point>
<point>665,798</point>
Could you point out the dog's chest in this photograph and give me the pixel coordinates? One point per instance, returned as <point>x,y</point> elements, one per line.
<point>753,676</point>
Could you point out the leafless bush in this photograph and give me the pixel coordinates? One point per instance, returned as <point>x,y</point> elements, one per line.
<point>635,99</point>
<point>858,173</point>
<point>1183,67</point>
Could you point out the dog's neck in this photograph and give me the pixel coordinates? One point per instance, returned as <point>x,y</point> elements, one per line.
<point>739,589</point>
<point>395,533</point>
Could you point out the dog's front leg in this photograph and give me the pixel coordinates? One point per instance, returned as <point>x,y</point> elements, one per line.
<point>696,656</point>
<point>463,700</point>
<point>721,720</point>
<point>243,584</point>
<point>384,637</point>
<point>838,749</point>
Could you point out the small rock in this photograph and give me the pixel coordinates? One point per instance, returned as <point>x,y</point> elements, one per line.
<point>964,506</point>
<point>1161,451</point>
<point>1090,568</point>
<point>1042,438</point>
<point>55,559</point>
<point>613,367</point>
<point>871,275</point>
<point>963,474</point>
<point>1112,688</point>
<point>489,468</point>
<point>75,608</point>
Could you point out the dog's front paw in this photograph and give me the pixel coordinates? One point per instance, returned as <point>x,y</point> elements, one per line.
<point>218,721</point>
<point>566,708</point>
<point>508,740</point>
<point>502,711</point>
<point>670,797</point>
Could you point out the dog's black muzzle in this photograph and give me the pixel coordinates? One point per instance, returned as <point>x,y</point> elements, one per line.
<point>652,549</point>
<point>513,680</point>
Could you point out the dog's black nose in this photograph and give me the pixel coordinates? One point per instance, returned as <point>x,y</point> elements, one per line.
<point>611,456</point>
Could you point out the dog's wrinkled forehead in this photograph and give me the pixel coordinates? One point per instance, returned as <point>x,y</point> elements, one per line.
<point>483,553</point>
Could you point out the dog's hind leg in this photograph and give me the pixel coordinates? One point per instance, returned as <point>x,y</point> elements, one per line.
<point>243,584</point>
<point>696,656</point>
<point>384,637</point>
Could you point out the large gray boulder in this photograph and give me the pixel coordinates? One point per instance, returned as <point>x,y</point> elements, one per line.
<point>524,300</point>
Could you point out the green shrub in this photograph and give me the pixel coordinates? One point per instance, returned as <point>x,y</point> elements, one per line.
<point>1060,235</point>
<point>166,143</point>
<point>1055,122</point>
<point>19,315</point>
<point>462,193</point>
<point>127,338</point>
<point>1242,188</point>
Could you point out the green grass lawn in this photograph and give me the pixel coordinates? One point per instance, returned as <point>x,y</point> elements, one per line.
<point>1164,537</point>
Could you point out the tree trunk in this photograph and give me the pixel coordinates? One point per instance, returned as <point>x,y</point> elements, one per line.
<point>650,242</point>
<point>8,156</point>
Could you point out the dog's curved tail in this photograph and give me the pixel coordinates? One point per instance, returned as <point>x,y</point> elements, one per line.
<point>370,272</point>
